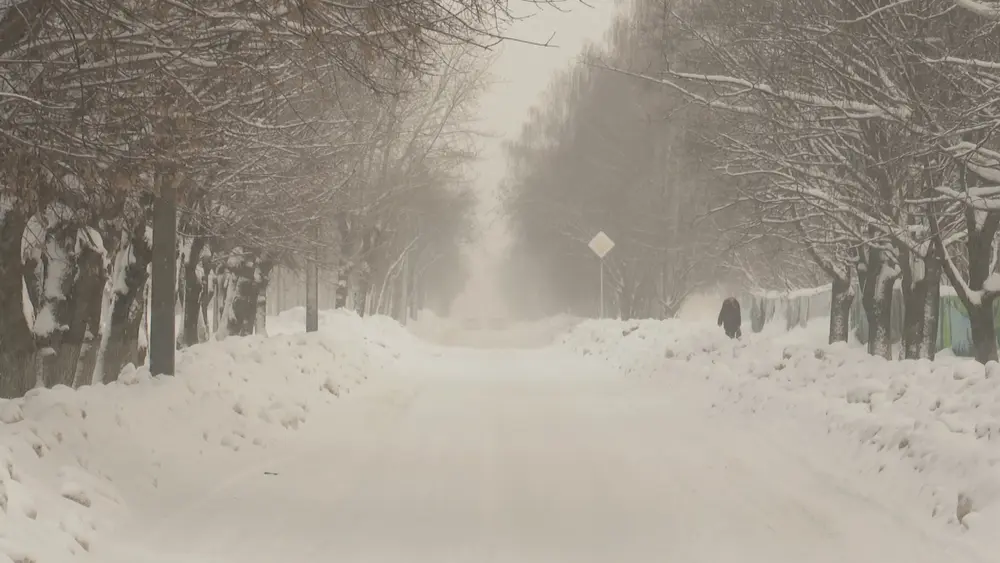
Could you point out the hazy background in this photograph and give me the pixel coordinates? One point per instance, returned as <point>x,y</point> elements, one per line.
<point>520,74</point>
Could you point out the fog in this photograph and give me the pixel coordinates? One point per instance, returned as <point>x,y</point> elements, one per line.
<point>521,73</point>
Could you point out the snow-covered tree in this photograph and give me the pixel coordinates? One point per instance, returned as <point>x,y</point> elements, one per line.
<point>237,123</point>
<point>859,114</point>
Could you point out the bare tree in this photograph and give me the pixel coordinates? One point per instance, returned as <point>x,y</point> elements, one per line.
<point>243,120</point>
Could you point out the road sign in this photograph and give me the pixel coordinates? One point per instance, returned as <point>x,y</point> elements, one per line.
<point>601,244</point>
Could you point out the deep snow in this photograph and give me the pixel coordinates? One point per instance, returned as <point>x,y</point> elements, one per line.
<point>74,465</point>
<point>925,433</point>
<point>617,441</point>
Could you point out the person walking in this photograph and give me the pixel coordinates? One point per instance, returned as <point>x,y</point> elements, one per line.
<point>729,317</point>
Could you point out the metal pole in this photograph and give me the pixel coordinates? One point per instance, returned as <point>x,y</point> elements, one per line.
<point>312,287</point>
<point>602,290</point>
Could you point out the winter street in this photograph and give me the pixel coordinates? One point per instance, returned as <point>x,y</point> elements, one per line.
<point>600,441</point>
<point>525,456</point>
<point>500,281</point>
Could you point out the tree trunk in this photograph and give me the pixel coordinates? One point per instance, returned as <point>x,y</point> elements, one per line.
<point>363,297</point>
<point>218,296</point>
<point>128,307</point>
<point>914,299</point>
<point>227,289</point>
<point>932,305</point>
<point>921,288</point>
<point>220,311</point>
<point>390,301</point>
<point>143,322</point>
<point>877,301</point>
<point>207,298</point>
<point>243,292</point>
<point>878,310</point>
<point>984,336</point>
<point>624,294</point>
<point>264,275</point>
<point>344,262</point>
<point>53,265</point>
<point>404,293</point>
<point>416,297</point>
<point>370,302</point>
<point>84,334</point>
<point>914,296</point>
<point>17,347</point>
<point>193,292</point>
<point>841,299</point>
<point>262,279</point>
<point>980,248</point>
<point>162,338</point>
<point>312,294</point>
<point>365,272</point>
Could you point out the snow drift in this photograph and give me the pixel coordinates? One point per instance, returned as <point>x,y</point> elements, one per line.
<point>69,458</point>
<point>930,430</point>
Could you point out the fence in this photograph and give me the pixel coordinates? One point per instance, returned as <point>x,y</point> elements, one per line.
<point>797,308</point>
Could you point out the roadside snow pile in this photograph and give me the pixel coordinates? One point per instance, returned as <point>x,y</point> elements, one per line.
<point>69,460</point>
<point>384,332</point>
<point>641,347</point>
<point>939,420</point>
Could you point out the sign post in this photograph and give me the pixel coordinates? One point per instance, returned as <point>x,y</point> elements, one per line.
<point>601,244</point>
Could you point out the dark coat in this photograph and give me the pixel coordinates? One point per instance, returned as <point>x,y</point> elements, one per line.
<point>729,317</point>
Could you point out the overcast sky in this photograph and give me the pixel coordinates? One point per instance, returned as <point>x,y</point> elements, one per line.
<point>520,75</point>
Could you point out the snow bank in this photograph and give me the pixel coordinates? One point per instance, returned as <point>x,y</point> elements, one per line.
<point>68,459</point>
<point>379,330</point>
<point>929,430</point>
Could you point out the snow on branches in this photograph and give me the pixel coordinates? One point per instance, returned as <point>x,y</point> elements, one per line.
<point>867,126</point>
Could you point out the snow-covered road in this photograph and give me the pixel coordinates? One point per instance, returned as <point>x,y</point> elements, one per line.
<point>528,456</point>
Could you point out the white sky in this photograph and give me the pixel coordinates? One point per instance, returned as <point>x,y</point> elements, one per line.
<point>520,74</point>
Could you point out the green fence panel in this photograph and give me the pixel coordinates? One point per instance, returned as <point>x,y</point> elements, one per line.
<point>798,308</point>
